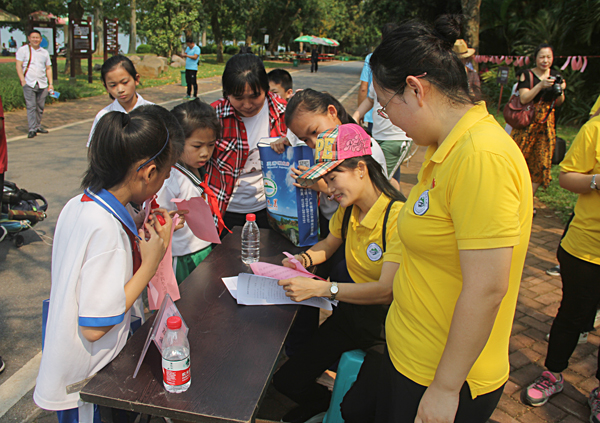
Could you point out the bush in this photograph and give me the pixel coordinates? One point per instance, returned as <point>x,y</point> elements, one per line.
<point>231,49</point>
<point>143,49</point>
<point>209,49</point>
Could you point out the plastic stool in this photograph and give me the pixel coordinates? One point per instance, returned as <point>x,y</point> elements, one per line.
<point>347,373</point>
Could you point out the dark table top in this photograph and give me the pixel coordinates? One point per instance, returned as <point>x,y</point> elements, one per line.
<point>234,348</point>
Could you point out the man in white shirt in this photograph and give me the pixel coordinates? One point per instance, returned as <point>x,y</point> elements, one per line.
<point>35,73</point>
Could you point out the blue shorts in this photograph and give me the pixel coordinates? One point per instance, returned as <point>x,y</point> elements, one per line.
<point>72,415</point>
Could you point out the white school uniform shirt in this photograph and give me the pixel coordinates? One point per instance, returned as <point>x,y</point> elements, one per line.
<point>115,106</point>
<point>91,263</point>
<point>179,185</point>
<point>40,60</point>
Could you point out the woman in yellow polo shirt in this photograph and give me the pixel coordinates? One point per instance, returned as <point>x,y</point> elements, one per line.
<point>579,258</point>
<point>464,234</point>
<point>366,218</point>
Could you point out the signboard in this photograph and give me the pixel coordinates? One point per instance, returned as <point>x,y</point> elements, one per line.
<point>266,38</point>
<point>81,48</point>
<point>111,37</point>
<point>47,39</point>
<point>502,75</point>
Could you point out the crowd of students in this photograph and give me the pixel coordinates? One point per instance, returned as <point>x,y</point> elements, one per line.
<point>427,285</point>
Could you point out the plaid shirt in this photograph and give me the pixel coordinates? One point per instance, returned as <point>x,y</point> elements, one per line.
<point>231,150</point>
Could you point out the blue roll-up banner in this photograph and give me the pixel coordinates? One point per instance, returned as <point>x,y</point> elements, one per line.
<point>292,211</point>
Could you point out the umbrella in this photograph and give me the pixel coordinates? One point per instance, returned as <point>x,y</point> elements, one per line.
<point>304,39</point>
<point>331,42</point>
<point>46,16</point>
<point>7,17</point>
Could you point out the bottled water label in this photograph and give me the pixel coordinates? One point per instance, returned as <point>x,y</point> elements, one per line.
<point>176,372</point>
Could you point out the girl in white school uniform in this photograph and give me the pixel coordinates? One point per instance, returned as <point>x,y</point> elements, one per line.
<point>102,258</point>
<point>120,80</point>
<point>201,128</point>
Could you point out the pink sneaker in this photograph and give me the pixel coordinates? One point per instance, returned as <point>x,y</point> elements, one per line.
<point>540,391</point>
<point>594,402</point>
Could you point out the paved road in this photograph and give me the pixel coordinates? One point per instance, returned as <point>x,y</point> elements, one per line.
<point>52,165</point>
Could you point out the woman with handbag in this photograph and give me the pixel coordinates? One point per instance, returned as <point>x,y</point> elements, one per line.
<point>545,88</point>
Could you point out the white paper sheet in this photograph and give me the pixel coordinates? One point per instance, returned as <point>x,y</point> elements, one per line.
<point>250,289</point>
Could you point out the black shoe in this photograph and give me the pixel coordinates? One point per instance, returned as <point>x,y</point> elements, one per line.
<point>2,366</point>
<point>31,134</point>
<point>42,131</point>
<point>304,414</point>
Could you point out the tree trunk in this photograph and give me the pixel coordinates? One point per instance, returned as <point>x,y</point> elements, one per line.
<point>204,38</point>
<point>471,9</point>
<point>248,40</point>
<point>76,14</point>
<point>277,37</point>
<point>216,28</point>
<point>132,24</point>
<point>99,27</point>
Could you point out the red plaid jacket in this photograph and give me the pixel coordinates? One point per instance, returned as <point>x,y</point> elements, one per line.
<point>231,150</point>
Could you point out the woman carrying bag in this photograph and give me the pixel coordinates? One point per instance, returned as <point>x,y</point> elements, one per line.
<point>540,85</point>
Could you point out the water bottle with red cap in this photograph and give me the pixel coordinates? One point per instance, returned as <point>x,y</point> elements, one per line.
<point>250,240</point>
<point>176,357</point>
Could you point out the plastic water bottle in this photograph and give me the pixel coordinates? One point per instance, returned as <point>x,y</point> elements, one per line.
<point>250,240</point>
<point>176,357</point>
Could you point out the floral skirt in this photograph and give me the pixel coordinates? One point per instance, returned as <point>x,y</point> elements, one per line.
<point>537,144</point>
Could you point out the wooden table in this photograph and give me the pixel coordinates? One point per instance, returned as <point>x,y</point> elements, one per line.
<point>234,349</point>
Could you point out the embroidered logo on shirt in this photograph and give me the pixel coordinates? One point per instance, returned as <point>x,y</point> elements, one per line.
<point>422,204</point>
<point>374,252</point>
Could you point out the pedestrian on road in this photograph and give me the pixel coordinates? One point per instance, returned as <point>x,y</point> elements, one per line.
<point>463,245</point>
<point>34,69</point>
<point>96,243</point>
<point>314,60</point>
<point>192,57</point>
<point>120,79</point>
<point>579,258</point>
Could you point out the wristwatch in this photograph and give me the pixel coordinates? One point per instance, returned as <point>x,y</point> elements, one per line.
<point>334,290</point>
<point>593,183</point>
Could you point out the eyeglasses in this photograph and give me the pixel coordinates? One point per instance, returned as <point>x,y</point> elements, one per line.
<point>156,155</point>
<point>381,111</point>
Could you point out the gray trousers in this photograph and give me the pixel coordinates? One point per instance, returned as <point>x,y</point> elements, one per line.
<point>35,99</point>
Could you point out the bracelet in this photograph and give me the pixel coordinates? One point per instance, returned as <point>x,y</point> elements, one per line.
<point>304,253</point>
<point>301,255</point>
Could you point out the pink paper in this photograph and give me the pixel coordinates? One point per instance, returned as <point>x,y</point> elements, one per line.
<point>199,219</point>
<point>164,280</point>
<point>281,272</point>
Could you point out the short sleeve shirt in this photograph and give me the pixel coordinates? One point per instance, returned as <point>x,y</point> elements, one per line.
<point>40,60</point>
<point>364,241</point>
<point>583,237</point>
<point>367,76</point>
<point>474,193</point>
<point>192,64</point>
<point>91,263</point>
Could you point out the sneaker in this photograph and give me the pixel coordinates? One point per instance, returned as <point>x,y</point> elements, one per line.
<point>2,365</point>
<point>594,403</point>
<point>583,337</point>
<point>540,391</point>
<point>187,97</point>
<point>554,271</point>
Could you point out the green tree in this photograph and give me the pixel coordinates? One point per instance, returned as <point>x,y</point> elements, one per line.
<point>164,22</point>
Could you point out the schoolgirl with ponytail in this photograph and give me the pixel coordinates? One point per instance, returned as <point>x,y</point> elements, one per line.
<point>95,278</point>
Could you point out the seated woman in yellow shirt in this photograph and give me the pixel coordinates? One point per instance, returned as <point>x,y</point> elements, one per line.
<point>464,233</point>
<point>366,218</point>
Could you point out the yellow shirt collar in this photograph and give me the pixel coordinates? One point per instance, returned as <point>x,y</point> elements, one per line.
<point>474,115</point>
<point>372,217</point>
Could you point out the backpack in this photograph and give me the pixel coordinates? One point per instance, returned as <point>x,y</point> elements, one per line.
<point>20,200</point>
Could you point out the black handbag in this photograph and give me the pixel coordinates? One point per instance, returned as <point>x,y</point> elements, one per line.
<point>560,149</point>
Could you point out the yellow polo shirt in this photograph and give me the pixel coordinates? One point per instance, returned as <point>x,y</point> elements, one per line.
<point>583,237</point>
<point>474,192</point>
<point>364,248</point>
<point>596,106</point>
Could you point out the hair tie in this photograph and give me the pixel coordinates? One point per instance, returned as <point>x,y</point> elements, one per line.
<point>125,119</point>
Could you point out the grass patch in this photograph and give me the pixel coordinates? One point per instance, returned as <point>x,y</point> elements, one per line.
<point>12,93</point>
<point>558,199</point>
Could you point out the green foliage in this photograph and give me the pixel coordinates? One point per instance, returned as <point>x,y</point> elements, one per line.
<point>163,22</point>
<point>231,49</point>
<point>143,49</point>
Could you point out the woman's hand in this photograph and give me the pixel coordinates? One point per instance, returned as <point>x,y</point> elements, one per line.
<point>280,144</point>
<point>288,262</point>
<point>547,82</point>
<point>319,186</point>
<point>301,288</point>
<point>163,230</point>
<point>437,406</point>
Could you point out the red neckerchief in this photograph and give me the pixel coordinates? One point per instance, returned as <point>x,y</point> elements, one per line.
<point>213,203</point>
<point>137,256</point>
